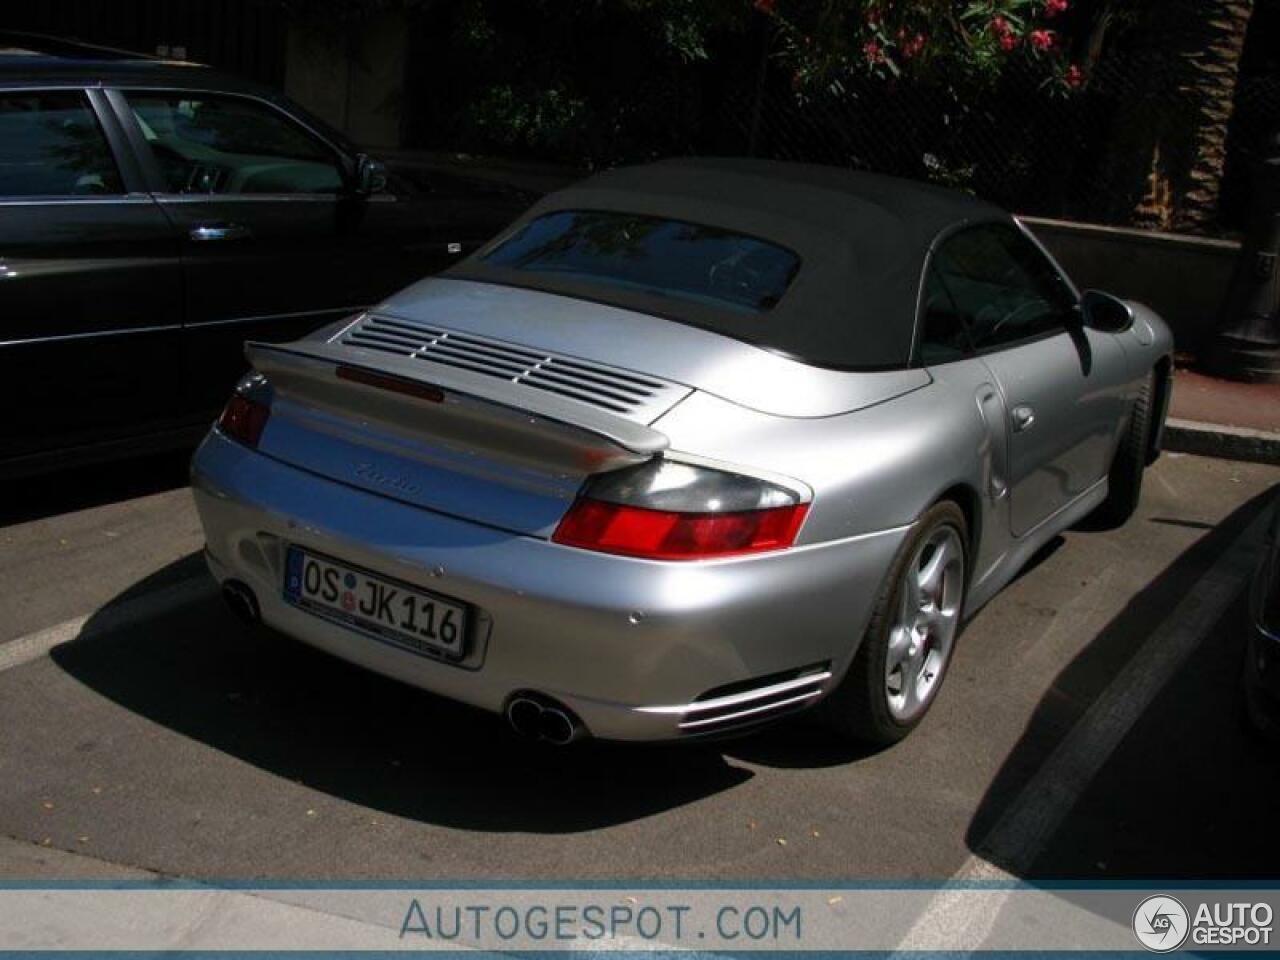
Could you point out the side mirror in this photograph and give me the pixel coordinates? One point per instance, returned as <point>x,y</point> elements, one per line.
<point>1104,312</point>
<point>371,175</point>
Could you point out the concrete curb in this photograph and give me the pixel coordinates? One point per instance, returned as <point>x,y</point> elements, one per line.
<point>1217,440</point>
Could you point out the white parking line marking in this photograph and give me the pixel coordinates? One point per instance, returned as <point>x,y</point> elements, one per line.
<point>1010,848</point>
<point>955,917</point>
<point>35,645</point>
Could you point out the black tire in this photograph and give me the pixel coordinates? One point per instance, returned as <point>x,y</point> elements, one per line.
<point>1124,482</point>
<point>858,709</point>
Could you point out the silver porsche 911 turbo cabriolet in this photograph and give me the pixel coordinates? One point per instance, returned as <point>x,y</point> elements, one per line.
<point>689,447</point>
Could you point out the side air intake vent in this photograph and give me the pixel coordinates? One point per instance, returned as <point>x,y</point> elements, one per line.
<point>619,391</point>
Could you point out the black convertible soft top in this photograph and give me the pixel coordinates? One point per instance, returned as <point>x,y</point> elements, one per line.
<point>862,240</point>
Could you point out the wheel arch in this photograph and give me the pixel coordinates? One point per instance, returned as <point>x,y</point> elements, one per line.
<point>966,498</point>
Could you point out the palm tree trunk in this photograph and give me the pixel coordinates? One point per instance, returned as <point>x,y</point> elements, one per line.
<point>1166,151</point>
<point>1213,69</point>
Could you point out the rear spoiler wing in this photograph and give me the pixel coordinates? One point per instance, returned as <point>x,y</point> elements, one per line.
<point>470,408</point>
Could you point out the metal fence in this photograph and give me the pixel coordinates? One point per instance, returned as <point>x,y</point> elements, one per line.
<point>1089,155</point>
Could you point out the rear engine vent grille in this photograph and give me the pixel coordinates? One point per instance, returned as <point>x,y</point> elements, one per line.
<point>618,391</point>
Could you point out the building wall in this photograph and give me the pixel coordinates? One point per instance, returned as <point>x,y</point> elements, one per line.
<point>240,36</point>
<point>1184,279</point>
<point>354,81</point>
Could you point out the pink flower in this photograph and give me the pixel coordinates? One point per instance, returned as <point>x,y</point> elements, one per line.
<point>1054,7</point>
<point>1042,39</point>
<point>1001,26</point>
<point>913,46</point>
<point>1008,41</point>
<point>765,6</point>
<point>1074,76</point>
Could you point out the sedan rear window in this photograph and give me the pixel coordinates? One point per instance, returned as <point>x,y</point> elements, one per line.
<point>651,255</point>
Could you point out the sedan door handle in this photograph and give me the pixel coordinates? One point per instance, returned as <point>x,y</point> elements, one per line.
<point>1023,417</point>
<point>220,231</point>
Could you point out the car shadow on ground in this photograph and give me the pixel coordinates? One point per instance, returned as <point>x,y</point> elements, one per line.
<point>1189,793</point>
<point>805,743</point>
<point>801,743</point>
<point>307,717</point>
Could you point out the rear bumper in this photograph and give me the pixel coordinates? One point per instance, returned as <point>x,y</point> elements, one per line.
<point>630,645</point>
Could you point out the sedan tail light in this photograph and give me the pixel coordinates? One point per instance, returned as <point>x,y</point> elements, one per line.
<point>674,511</point>
<point>243,419</point>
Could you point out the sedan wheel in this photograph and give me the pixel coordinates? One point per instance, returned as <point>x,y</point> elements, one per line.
<point>903,658</point>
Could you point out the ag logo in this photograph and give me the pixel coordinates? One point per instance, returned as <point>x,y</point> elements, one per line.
<point>1161,923</point>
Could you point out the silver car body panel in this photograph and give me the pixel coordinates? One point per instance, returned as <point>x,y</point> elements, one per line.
<point>738,372</point>
<point>608,636</point>
<point>460,496</point>
<point>1074,388</point>
<point>514,465</point>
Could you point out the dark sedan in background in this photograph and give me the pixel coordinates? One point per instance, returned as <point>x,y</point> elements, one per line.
<point>1262,658</point>
<point>155,215</point>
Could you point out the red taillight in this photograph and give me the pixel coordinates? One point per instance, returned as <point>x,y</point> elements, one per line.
<point>666,535</point>
<point>244,419</point>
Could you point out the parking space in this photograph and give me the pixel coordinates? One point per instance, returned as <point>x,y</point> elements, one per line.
<point>150,730</point>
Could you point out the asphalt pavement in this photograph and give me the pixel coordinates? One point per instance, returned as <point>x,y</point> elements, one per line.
<point>1089,728</point>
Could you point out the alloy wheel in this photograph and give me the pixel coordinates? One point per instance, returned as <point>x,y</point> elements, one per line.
<point>924,632</point>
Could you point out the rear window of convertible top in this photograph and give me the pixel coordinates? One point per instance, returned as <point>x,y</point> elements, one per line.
<point>652,255</point>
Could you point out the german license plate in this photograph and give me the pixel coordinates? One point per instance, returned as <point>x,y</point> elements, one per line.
<point>389,609</point>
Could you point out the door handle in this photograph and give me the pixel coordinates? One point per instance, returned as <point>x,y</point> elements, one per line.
<point>220,231</point>
<point>1023,417</point>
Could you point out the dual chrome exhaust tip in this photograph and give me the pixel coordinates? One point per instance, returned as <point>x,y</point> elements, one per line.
<point>540,718</point>
<point>242,602</point>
